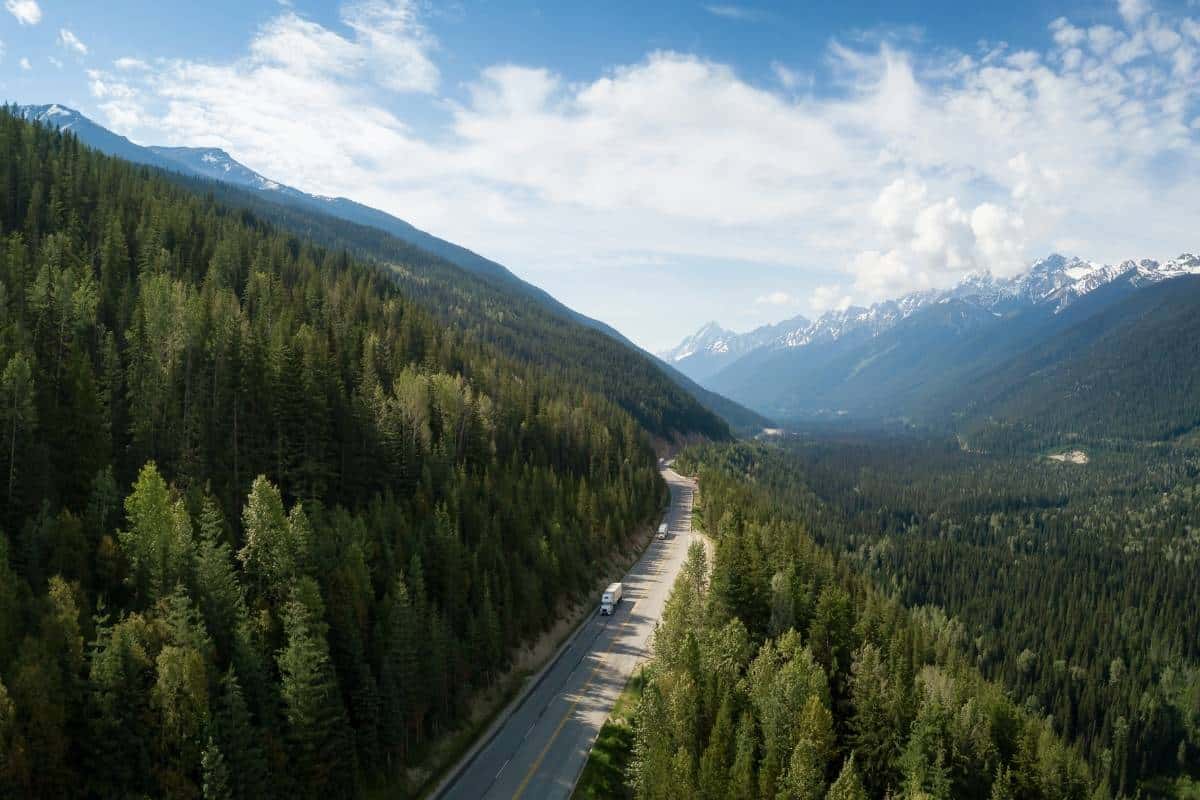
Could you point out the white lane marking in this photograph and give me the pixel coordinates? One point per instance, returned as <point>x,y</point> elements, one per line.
<point>526,736</point>
<point>502,766</point>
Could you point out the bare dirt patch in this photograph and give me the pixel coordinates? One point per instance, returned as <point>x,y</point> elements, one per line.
<point>1070,457</point>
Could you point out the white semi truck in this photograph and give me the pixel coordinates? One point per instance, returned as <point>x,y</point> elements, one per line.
<point>662,531</point>
<point>610,598</point>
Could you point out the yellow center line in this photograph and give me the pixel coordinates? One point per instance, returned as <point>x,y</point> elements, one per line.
<point>582,690</point>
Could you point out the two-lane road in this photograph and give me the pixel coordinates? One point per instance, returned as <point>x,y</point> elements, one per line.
<point>541,747</point>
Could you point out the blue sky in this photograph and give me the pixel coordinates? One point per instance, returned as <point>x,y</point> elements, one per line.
<point>657,165</point>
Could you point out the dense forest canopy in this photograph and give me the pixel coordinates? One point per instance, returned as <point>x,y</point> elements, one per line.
<point>523,322</point>
<point>265,521</point>
<point>783,674</point>
<point>1073,586</point>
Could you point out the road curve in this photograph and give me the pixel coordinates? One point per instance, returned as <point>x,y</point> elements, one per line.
<point>540,749</point>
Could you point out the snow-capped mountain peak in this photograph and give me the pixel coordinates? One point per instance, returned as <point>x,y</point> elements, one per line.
<point>60,117</point>
<point>1055,281</point>
<point>213,162</point>
<point>710,338</point>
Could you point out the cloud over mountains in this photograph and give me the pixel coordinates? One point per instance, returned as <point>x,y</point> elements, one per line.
<point>907,167</point>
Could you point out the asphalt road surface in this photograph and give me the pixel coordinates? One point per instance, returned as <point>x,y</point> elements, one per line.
<point>542,747</point>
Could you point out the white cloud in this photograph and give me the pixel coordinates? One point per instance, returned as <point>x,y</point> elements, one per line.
<point>54,62</point>
<point>395,43</point>
<point>913,168</point>
<point>792,79</point>
<point>128,63</point>
<point>829,297</point>
<point>931,243</point>
<point>120,100</point>
<point>1067,35</point>
<point>103,87</point>
<point>1133,10</point>
<point>736,12</point>
<point>776,298</point>
<point>69,41</point>
<point>25,65</point>
<point>27,12</point>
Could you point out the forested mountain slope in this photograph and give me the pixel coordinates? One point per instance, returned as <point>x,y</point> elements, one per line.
<point>1071,585</point>
<point>785,674</point>
<point>522,326</point>
<point>862,373</point>
<point>455,284</point>
<point>265,522</point>
<point>942,357</point>
<point>1119,363</point>
<point>1128,371</point>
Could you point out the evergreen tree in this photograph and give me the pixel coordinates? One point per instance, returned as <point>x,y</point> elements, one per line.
<point>743,784</point>
<point>848,786</point>
<point>717,760</point>
<point>158,540</point>
<point>320,754</point>
<point>216,784</point>
<point>20,415</point>
<point>805,778</point>
<point>218,589</point>
<point>235,734</point>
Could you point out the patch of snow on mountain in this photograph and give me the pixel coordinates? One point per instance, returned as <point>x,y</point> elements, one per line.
<point>1055,281</point>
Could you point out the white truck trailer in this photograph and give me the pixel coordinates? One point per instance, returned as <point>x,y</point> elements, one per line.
<point>610,598</point>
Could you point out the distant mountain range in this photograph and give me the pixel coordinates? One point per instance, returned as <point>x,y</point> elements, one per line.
<point>712,348</point>
<point>914,356</point>
<point>214,164</point>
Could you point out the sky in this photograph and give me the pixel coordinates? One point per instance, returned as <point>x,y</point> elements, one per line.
<point>660,165</point>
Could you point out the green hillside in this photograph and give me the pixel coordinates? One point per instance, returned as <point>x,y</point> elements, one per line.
<point>456,284</point>
<point>267,523</point>
<point>1129,371</point>
<point>522,322</point>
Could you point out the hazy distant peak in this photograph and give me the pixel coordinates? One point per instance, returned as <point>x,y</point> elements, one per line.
<point>1055,280</point>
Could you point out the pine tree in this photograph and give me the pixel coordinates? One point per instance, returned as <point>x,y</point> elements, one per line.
<point>180,694</point>
<point>120,762</point>
<point>873,731</point>
<point>848,786</point>
<point>10,607</point>
<point>216,783</point>
<point>13,766</point>
<point>399,673</point>
<point>19,415</point>
<point>831,634</point>
<point>158,542</point>
<point>743,783</point>
<point>805,777</point>
<point>320,754</point>
<point>1003,786</point>
<point>218,589</point>
<point>276,545</point>
<point>236,735</point>
<point>715,763</point>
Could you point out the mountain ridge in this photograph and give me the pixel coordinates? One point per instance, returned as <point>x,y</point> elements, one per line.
<point>215,164</point>
<point>921,356</point>
<point>1055,280</point>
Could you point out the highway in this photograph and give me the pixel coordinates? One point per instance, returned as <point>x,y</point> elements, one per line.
<point>543,743</point>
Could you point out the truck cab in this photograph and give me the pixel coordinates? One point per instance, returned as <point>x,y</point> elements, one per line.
<point>610,598</point>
